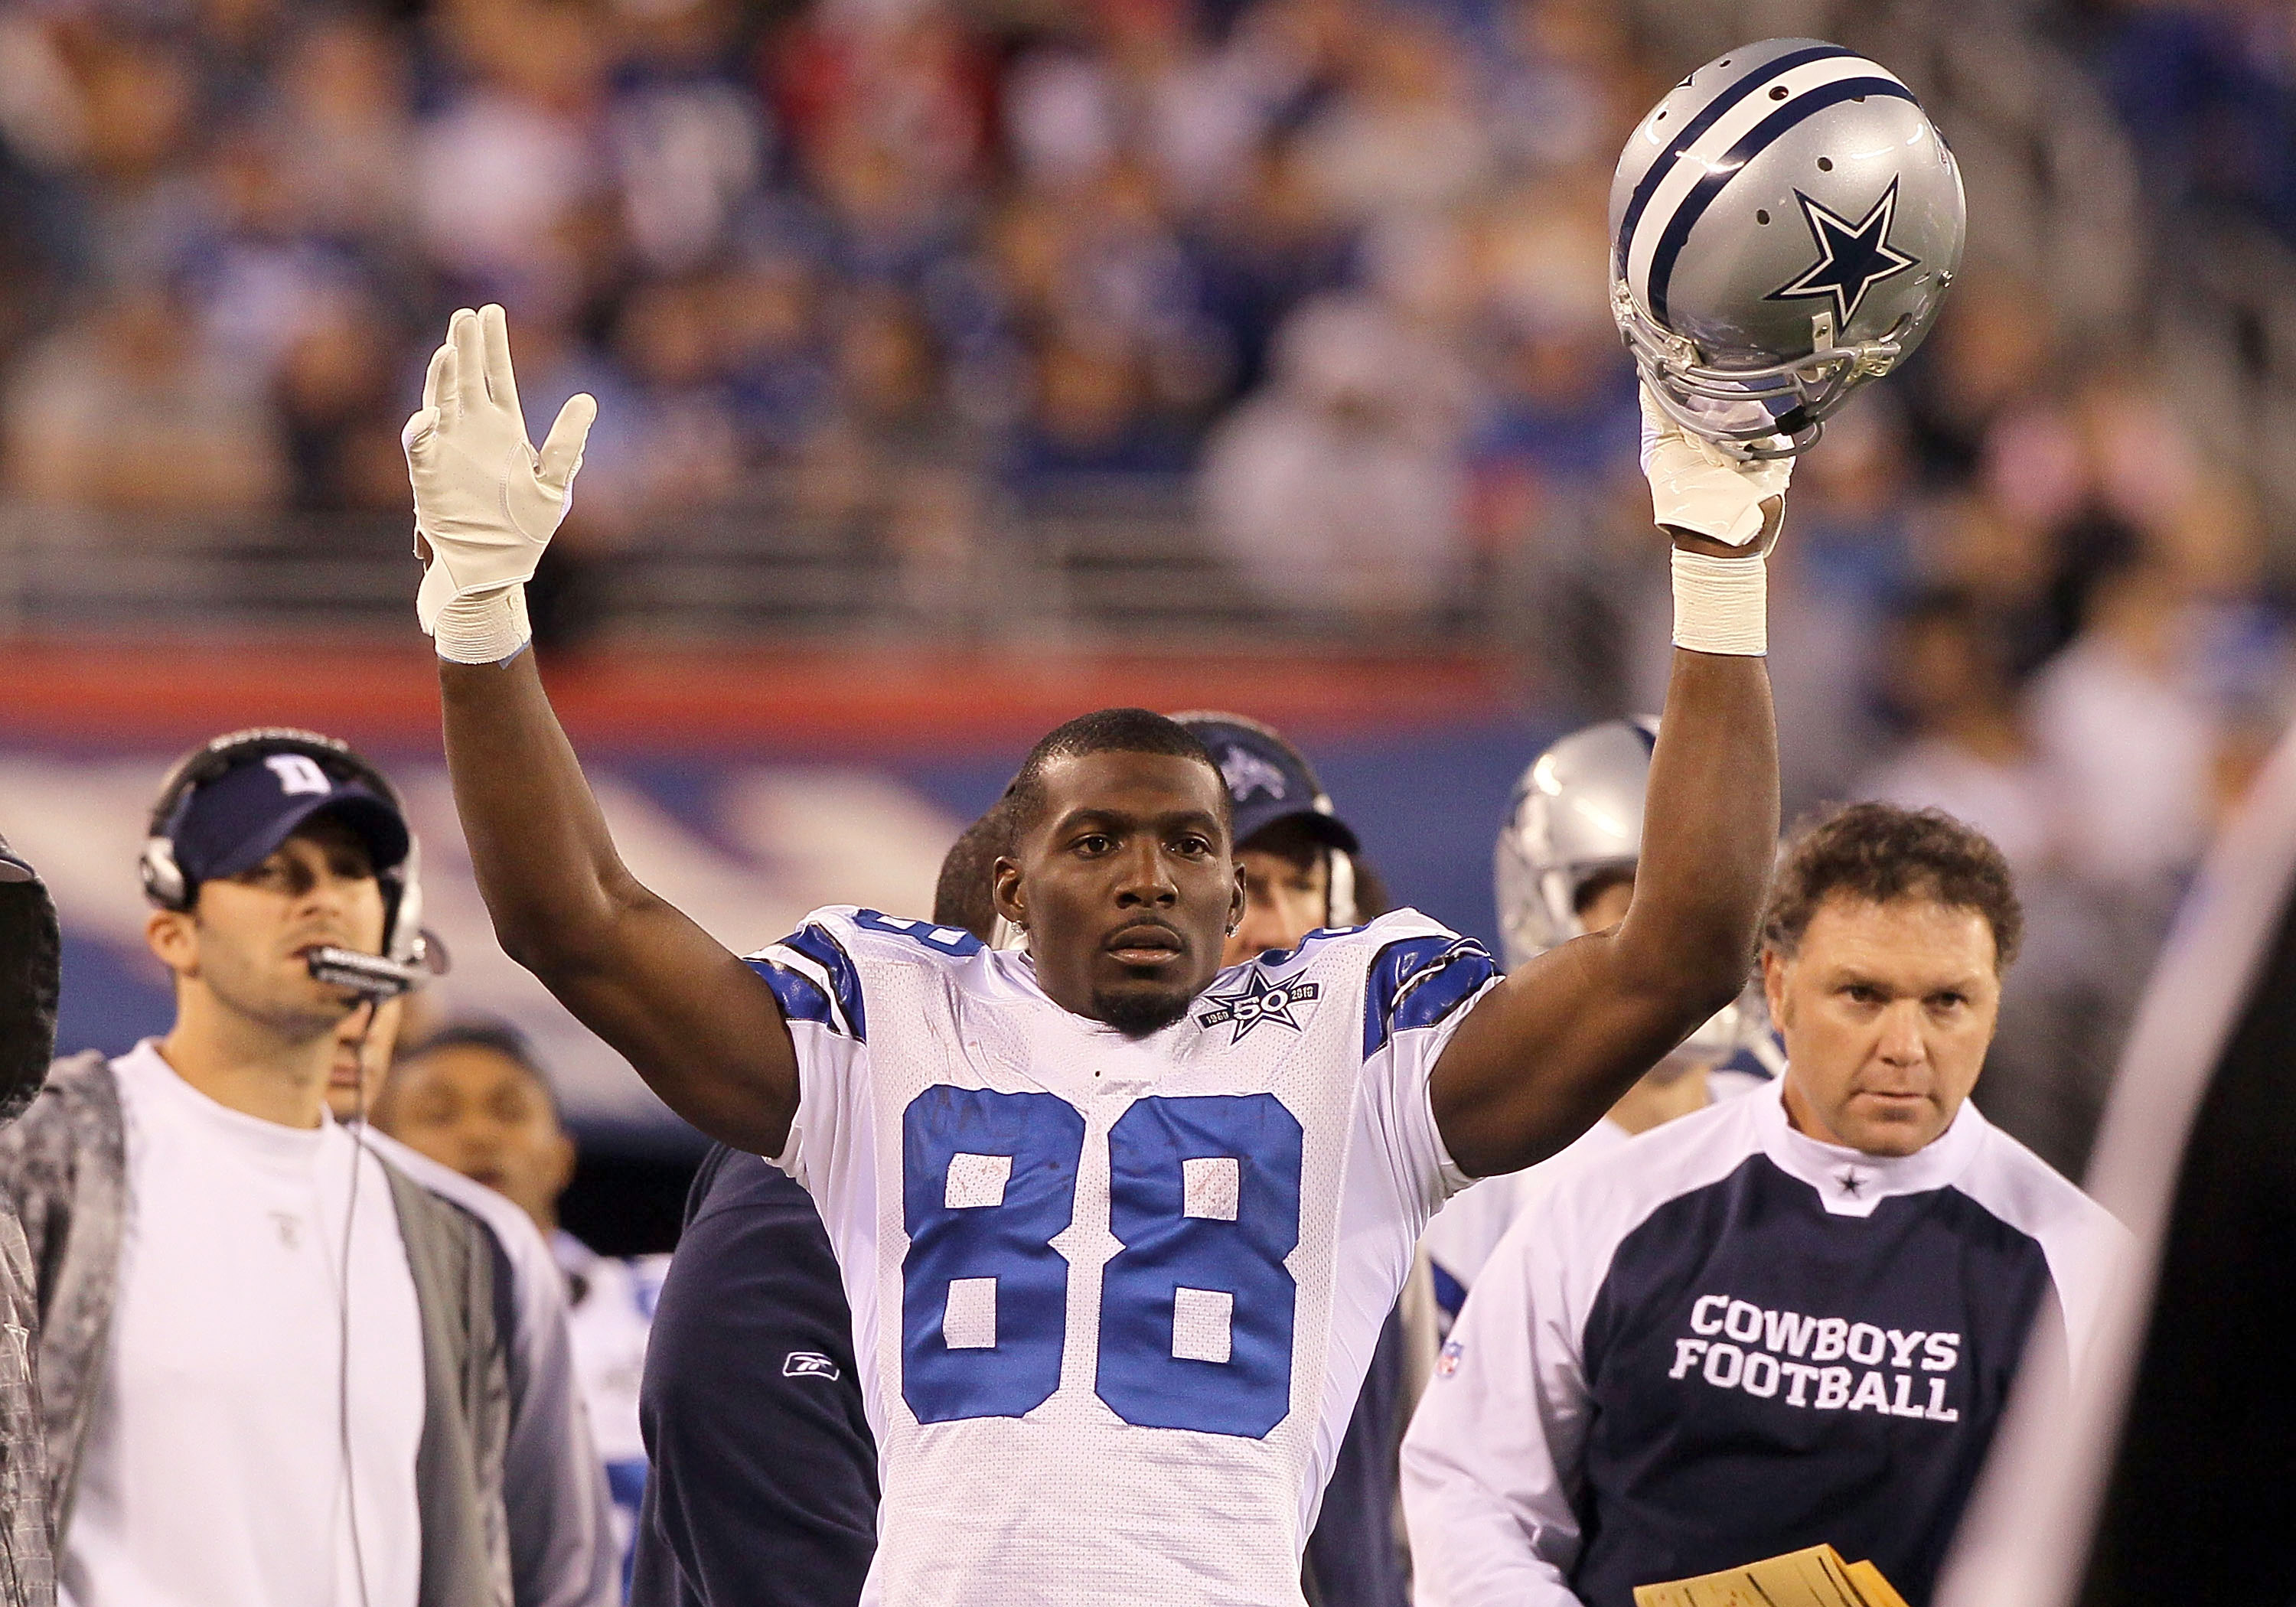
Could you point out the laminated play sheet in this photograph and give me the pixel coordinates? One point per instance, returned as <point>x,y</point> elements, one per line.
<point>1814,1578</point>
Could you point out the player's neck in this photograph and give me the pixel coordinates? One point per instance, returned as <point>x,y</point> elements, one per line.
<point>248,1066</point>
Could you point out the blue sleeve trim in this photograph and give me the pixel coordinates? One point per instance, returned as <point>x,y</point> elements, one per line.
<point>800,996</point>
<point>802,999</point>
<point>1417,981</point>
<point>1450,1294</point>
<point>954,941</point>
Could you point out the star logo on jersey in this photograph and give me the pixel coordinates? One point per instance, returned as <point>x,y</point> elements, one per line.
<point>1851,1180</point>
<point>1852,258</point>
<point>1259,1000</point>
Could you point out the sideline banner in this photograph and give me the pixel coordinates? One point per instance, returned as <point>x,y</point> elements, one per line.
<point>745,841</point>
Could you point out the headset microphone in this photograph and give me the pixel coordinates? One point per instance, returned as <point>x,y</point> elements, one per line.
<point>372,975</point>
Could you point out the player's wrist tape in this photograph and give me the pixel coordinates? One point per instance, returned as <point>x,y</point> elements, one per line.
<point>1721,605</point>
<point>488,628</point>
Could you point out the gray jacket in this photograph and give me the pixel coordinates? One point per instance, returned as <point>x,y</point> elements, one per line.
<point>65,1164</point>
<point>30,950</point>
<point>561,1515</point>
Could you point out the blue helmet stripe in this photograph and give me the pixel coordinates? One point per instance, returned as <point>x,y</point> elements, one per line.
<point>1687,135</point>
<point>1757,140</point>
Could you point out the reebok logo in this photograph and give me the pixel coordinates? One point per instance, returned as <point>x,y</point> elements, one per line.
<point>807,1364</point>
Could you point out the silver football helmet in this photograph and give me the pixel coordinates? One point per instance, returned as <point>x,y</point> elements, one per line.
<point>1577,813</point>
<point>1784,225</point>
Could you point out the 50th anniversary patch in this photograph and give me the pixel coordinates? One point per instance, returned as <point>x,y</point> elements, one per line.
<point>1258,1000</point>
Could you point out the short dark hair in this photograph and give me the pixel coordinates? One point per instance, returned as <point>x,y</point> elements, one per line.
<point>964,896</point>
<point>497,1037</point>
<point>1879,852</point>
<point>1106,731</point>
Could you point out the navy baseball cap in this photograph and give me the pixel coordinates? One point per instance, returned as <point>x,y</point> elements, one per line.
<point>235,822</point>
<point>1267,779</point>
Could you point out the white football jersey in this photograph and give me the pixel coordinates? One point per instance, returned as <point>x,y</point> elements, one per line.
<point>1113,1297</point>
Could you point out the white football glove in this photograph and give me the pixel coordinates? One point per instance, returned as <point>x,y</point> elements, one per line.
<point>1697,486</point>
<point>486,502</point>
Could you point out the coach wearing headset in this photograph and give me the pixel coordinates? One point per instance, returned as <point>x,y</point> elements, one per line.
<point>270,1363</point>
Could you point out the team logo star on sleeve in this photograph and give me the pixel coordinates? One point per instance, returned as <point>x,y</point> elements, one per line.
<point>1258,1000</point>
<point>1852,258</point>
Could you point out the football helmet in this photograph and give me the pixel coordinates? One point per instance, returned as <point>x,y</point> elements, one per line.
<point>1577,813</point>
<point>1784,225</point>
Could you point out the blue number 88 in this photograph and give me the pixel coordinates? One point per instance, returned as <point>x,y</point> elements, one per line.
<point>969,1229</point>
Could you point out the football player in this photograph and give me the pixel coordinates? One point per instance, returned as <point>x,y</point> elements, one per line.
<point>1303,869</point>
<point>1565,866</point>
<point>1119,1225</point>
<point>774,1506</point>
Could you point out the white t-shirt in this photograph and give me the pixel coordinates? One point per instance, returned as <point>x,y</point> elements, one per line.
<point>563,1550</point>
<point>610,1312</point>
<point>1113,1297</point>
<point>215,1469</point>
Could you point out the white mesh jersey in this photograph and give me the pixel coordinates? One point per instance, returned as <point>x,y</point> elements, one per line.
<point>1113,1297</point>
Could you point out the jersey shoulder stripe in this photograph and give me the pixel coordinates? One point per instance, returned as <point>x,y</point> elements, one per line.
<point>816,981</point>
<point>1417,981</point>
<point>817,971</point>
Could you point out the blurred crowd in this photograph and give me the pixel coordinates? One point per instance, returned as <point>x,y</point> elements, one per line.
<point>1328,273</point>
<point>1341,258</point>
<point>2209,88</point>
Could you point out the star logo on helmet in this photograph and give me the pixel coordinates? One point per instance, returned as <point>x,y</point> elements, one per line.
<point>1258,1000</point>
<point>1852,258</point>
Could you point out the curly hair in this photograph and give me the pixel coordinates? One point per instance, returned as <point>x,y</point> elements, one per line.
<point>1879,852</point>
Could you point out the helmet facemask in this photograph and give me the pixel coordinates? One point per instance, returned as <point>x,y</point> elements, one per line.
<point>1773,411</point>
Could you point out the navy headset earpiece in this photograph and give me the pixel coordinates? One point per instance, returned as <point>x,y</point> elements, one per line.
<point>163,878</point>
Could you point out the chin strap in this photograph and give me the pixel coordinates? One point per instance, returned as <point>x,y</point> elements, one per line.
<point>1340,888</point>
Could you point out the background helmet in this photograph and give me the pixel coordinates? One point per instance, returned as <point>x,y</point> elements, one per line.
<point>1576,814</point>
<point>1784,225</point>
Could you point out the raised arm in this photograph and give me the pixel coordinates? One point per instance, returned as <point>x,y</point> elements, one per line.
<point>1545,1053</point>
<point>700,1026</point>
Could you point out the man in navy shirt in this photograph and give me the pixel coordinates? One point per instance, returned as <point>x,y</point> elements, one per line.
<point>1792,1317</point>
